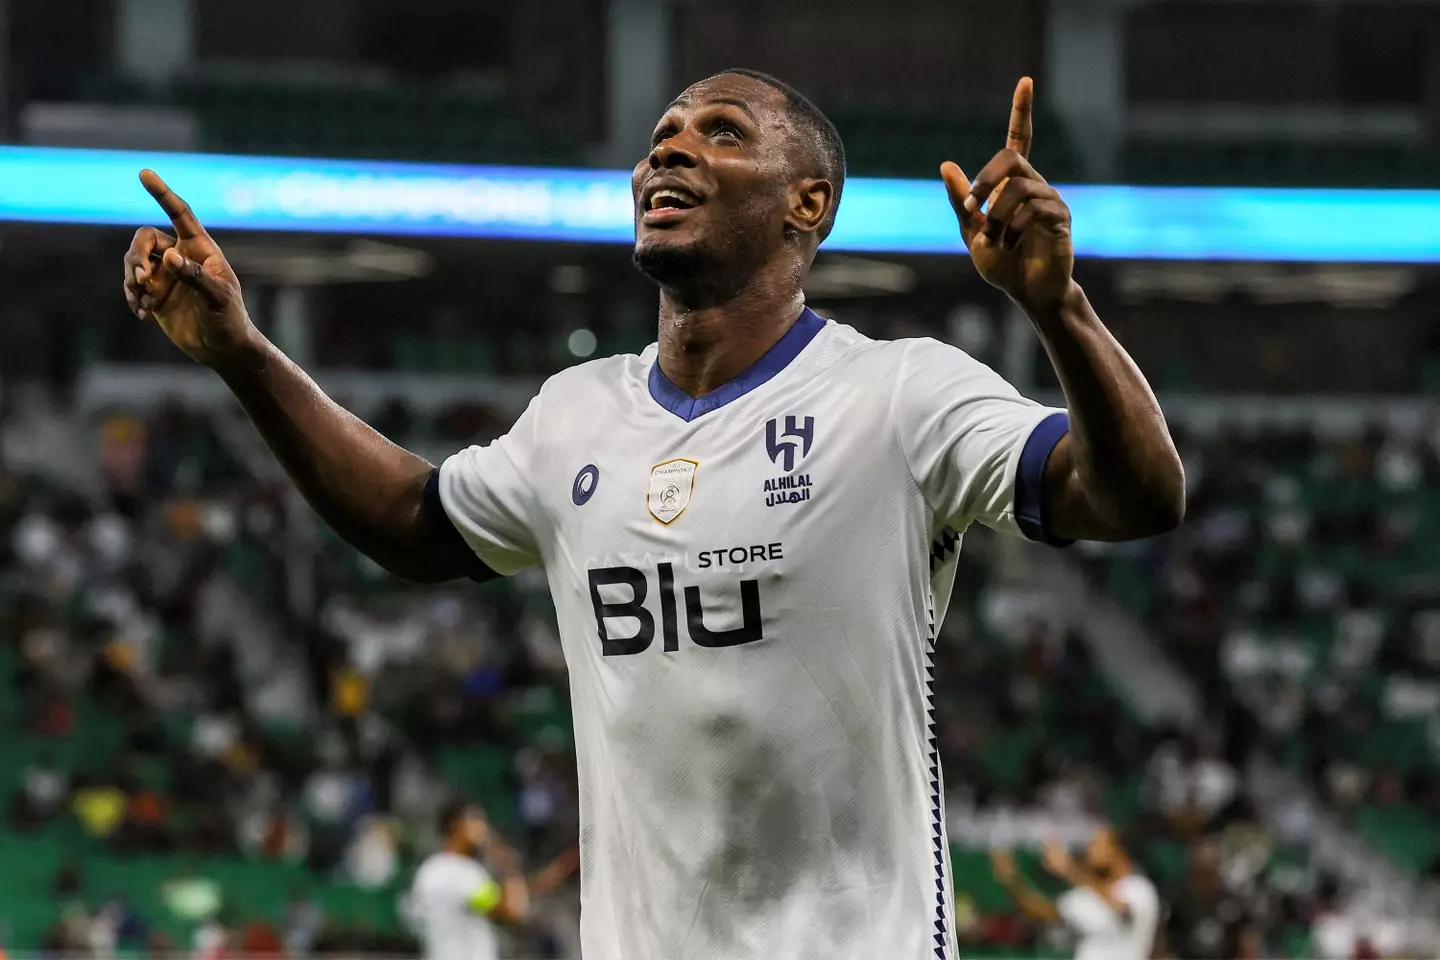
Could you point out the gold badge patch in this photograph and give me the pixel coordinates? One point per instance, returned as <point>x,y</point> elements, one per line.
<point>672,484</point>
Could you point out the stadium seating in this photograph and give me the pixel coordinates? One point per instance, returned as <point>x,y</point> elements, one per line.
<point>887,139</point>
<point>890,140</point>
<point>1279,163</point>
<point>1306,569</point>
<point>1020,712</point>
<point>390,122</point>
<point>91,745</point>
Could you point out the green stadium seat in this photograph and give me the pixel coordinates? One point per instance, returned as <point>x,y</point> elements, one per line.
<point>911,141</point>
<point>1406,834</point>
<point>1284,163</point>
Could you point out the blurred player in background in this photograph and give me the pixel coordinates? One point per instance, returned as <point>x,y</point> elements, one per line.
<point>750,529</point>
<point>1112,908</point>
<point>456,902</point>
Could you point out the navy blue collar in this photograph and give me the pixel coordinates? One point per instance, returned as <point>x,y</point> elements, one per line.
<point>777,358</point>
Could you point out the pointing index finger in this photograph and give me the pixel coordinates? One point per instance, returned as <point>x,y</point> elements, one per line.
<point>179,212</point>
<point>1021,107</point>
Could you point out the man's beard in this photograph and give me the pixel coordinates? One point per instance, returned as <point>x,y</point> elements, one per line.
<point>672,264</point>
<point>712,266</point>
<point>1104,872</point>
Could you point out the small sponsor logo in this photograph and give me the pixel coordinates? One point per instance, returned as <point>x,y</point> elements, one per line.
<point>585,483</point>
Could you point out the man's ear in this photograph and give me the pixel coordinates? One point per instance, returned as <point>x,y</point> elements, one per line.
<point>810,203</point>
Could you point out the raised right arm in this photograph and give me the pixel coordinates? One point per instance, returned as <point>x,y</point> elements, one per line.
<point>380,498</point>
<point>369,490</point>
<point>1032,902</point>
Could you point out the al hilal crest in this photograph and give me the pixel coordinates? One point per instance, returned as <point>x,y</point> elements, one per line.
<point>671,485</point>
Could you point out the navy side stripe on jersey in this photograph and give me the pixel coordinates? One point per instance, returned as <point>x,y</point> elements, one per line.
<point>937,789</point>
<point>942,551</point>
<point>1030,479</point>
<point>439,529</point>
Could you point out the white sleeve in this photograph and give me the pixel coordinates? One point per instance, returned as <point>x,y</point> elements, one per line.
<point>450,885</point>
<point>1140,895</point>
<point>976,447</point>
<point>489,495</point>
<point>1086,912</point>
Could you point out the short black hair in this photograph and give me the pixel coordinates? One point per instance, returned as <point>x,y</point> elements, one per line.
<point>811,120</point>
<point>452,813</point>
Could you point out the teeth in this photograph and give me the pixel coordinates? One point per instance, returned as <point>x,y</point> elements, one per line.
<point>668,194</point>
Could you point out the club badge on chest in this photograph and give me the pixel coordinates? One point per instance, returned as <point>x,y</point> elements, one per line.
<point>672,485</point>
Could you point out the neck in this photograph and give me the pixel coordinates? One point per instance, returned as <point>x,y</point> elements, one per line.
<point>1107,877</point>
<point>459,847</point>
<point>707,342</point>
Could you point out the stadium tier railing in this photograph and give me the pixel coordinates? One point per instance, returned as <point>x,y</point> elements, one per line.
<point>144,386</point>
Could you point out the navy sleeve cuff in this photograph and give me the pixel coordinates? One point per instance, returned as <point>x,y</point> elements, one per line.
<point>440,530</point>
<point>1030,479</point>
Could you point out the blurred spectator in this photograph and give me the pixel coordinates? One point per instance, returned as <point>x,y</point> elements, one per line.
<point>542,793</point>
<point>1113,910</point>
<point>331,794</point>
<point>259,940</point>
<point>372,859</point>
<point>350,697</point>
<point>1207,921</point>
<point>1335,933</point>
<point>117,924</point>
<point>45,787</point>
<point>146,827</point>
<point>304,921</point>
<point>276,832</point>
<point>100,807</point>
<point>211,940</point>
<point>160,945</point>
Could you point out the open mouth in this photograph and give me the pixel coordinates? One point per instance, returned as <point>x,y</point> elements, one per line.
<point>668,203</point>
<point>668,199</point>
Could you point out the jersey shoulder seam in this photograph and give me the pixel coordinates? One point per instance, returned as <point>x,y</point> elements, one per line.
<point>580,371</point>
<point>579,377</point>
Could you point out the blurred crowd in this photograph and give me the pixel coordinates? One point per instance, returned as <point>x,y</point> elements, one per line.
<point>170,704</point>
<point>1037,749</point>
<point>1303,596</point>
<point>184,693</point>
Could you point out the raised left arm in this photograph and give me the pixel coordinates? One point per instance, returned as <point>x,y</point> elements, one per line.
<point>1063,866</point>
<point>1116,475</point>
<point>1032,902</point>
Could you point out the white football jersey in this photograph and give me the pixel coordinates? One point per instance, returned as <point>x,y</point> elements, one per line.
<point>439,903</point>
<point>748,587</point>
<point>1106,935</point>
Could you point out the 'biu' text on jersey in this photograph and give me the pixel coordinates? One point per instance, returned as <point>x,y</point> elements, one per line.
<point>748,587</point>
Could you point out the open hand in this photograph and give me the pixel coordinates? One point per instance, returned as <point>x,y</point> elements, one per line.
<point>185,284</point>
<point>503,857</point>
<point>1002,864</point>
<point>569,861</point>
<point>556,872</point>
<point>1022,244</point>
<point>1058,860</point>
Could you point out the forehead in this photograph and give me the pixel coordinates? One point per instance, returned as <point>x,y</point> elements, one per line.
<point>744,92</point>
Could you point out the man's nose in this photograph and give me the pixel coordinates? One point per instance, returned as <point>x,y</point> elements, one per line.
<point>672,152</point>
